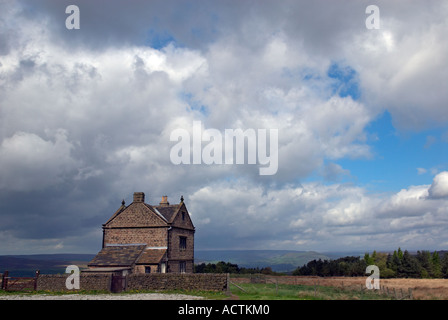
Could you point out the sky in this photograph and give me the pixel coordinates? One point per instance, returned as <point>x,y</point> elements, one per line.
<point>362,117</point>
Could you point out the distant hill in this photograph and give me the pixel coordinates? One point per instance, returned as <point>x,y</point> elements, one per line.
<point>278,260</point>
<point>26,265</point>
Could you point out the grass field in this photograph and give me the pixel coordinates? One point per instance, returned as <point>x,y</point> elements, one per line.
<point>335,288</point>
<point>270,291</point>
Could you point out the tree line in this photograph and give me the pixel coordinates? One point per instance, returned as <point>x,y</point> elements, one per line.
<point>227,267</point>
<point>397,265</point>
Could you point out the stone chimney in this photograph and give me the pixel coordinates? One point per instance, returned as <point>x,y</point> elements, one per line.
<point>164,201</point>
<point>139,197</point>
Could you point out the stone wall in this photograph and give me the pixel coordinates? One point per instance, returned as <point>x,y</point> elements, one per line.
<point>155,281</point>
<point>172,281</point>
<point>56,282</point>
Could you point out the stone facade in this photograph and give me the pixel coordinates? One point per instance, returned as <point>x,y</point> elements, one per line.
<point>160,238</point>
<point>152,236</point>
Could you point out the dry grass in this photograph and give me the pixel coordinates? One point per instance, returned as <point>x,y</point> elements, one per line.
<point>422,289</point>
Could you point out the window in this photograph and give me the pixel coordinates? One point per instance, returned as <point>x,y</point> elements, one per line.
<point>182,243</point>
<point>147,269</point>
<point>183,216</point>
<point>182,267</point>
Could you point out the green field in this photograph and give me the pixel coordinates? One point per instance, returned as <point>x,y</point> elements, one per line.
<point>272,291</point>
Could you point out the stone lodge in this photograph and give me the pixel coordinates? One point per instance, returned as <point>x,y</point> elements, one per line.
<point>141,238</point>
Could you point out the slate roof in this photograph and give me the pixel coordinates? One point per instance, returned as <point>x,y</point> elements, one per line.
<point>168,211</point>
<point>151,256</point>
<point>106,269</point>
<point>116,256</point>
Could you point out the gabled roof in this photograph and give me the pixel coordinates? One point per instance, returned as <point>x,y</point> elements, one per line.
<point>173,214</point>
<point>116,213</point>
<point>137,214</point>
<point>117,256</point>
<point>141,214</point>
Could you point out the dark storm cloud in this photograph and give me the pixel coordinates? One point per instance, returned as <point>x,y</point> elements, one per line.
<point>122,23</point>
<point>195,24</point>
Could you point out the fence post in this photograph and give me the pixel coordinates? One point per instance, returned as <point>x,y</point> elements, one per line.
<point>5,280</point>
<point>276,287</point>
<point>35,279</point>
<point>410,293</point>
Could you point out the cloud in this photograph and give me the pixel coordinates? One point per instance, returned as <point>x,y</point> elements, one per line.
<point>411,89</point>
<point>86,116</point>
<point>421,171</point>
<point>439,186</point>
<point>334,172</point>
<point>29,162</point>
<point>315,216</point>
<point>282,36</point>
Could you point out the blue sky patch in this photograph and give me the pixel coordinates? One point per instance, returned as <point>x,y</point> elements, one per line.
<point>345,81</point>
<point>399,159</point>
<point>159,40</point>
<point>194,105</point>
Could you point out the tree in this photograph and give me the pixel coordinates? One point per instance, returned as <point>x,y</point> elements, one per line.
<point>444,265</point>
<point>359,268</point>
<point>395,262</point>
<point>436,265</point>
<point>400,254</point>
<point>374,257</point>
<point>381,261</point>
<point>410,267</point>
<point>368,259</point>
<point>424,259</point>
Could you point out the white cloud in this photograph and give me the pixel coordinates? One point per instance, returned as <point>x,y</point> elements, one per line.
<point>402,65</point>
<point>421,170</point>
<point>439,186</point>
<point>319,217</point>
